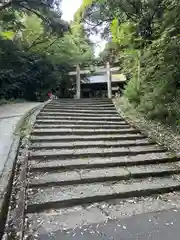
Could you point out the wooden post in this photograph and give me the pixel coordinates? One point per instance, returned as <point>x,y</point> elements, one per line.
<point>109,80</point>
<point>78,82</point>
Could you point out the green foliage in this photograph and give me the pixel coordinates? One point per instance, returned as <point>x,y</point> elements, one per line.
<point>110,53</point>
<point>148,36</point>
<point>37,51</point>
<point>123,34</point>
<point>25,75</point>
<point>160,84</point>
<point>132,91</point>
<point>11,13</point>
<point>7,35</point>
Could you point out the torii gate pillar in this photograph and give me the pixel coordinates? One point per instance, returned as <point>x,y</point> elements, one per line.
<point>109,87</point>
<point>78,82</point>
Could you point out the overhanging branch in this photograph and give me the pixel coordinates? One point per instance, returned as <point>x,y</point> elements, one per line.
<point>5,5</point>
<point>37,41</point>
<point>35,12</point>
<point>50,45</point>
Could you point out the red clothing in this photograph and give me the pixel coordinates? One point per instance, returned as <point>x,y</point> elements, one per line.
<point>49,94</point>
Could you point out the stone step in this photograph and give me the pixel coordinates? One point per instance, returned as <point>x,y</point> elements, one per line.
<point>79,102</point>
<point>90,108</point>
<point>72,131</point>
<point>94,152</point>
<point>81,122</point>
<point>101,115</point>
<point>83,106</point>
<point>81,126</point>
<point>76,176</point>
<point>81,176</point>
<point>82,100</point>
<point>101,137</point>
<point>40,199</point>
<point>93,118</point>
<point>90,144</point>
<point>82,111</point>
<point>102,162</point>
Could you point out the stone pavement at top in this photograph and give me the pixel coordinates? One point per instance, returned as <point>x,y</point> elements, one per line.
<point>150,226</point>
<point>10,114</point>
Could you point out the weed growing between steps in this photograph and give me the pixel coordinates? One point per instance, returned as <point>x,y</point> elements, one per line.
<point>161,133</point>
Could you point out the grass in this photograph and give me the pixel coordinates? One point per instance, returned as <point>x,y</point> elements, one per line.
<point>156,130</point>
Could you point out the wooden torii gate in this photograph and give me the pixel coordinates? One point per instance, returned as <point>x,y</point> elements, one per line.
<point>108,70</point>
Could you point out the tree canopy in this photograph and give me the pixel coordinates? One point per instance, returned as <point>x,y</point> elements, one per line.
<point>38,48</point>
<point>146,35</point>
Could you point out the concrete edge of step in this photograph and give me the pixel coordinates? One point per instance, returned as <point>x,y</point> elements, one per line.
<point>63,155</point>
<point>46,205</point>
<point>6,178</point>
<point>124,174</point>
<point>25,118</point>
<point>6,181</point>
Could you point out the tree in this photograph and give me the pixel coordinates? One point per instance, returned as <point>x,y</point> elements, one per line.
<point>147,33</point>
<point>35,57</point>
<point>110,53</point>
<point>46,10</point>
<point>102,12</point>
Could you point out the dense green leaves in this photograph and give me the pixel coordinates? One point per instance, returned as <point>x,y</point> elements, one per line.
<point>148,37</point>
<point>47,10</point>
<point>37,50</point>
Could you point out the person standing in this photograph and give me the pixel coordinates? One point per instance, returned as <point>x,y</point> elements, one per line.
<point>50,95</point>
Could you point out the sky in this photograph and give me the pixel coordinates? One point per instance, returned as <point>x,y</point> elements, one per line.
<point>69,7</point>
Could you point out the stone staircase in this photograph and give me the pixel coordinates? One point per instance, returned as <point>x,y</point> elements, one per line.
<point>82,153</point>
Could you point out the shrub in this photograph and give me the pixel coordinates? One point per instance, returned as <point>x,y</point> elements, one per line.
<point>132,91</point>
<point>158,96</point>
